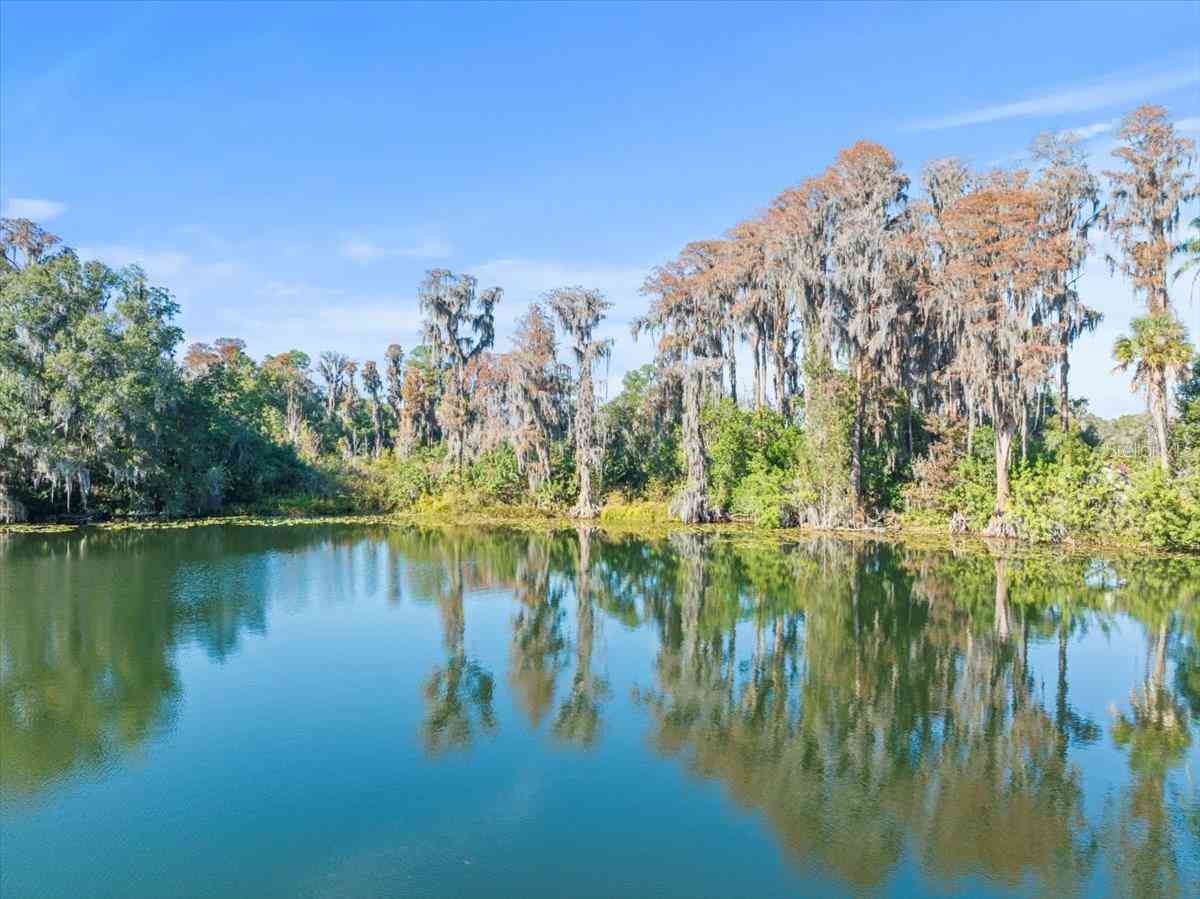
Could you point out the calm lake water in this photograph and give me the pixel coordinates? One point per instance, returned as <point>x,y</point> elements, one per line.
<point>367,711</point>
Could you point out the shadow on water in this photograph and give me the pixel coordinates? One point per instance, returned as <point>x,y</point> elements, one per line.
<point>89,626</point>
<point>873,703</point>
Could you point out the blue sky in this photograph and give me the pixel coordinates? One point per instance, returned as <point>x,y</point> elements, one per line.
<point>291,171</point>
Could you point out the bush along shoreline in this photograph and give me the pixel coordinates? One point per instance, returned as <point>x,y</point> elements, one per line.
<point>873,353</point>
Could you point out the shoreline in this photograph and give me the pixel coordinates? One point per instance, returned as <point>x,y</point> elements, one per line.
<point>922,538</point>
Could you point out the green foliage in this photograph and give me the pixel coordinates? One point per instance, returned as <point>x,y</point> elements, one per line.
<point>1165,511</point>
<point>1185,435</point>
<point>764,495</point>
<point>1068,490</point>
<point>219,453</point>
<point>560,488</point>
<point>94,408</point>
<point>643,454</point>
<point>974,495</point>
<point>822,488</point>
<point>85,376</point>
<point>1070,493</point>
<point>1158,344</point>
<point>753,457</point>
<point>496,476</point>
<point>398,483</point>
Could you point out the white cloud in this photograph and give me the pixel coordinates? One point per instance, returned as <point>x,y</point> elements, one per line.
<point>361,250</point>
<point>1190,124</point>
<point>314,318</point>
<point>284,314</point>
<point>1087,132</point>
<point>364,250</point>
<point>38,209</point>
<point>176,270</point>
<point>349,324</point>
<point>525,280</point>
<point>1110,91</point>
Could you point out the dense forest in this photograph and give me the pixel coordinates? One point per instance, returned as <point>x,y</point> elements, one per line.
<point>910,351</point>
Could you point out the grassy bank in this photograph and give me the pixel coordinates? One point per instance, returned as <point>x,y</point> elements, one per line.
<point>642,519</point>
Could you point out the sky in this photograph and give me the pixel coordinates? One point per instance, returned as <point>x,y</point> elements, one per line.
<point>289,172</point>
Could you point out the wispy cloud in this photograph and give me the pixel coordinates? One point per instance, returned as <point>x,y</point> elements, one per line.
<point>1109,91</point>
<point>360,325</point>
<point>525,280</point>
<point>36,208</point>
<point>1087,132</point>
<point>177,270</point>
<point>364,250</point>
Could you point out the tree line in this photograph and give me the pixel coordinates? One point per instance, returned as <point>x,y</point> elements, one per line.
<point>890,330</point>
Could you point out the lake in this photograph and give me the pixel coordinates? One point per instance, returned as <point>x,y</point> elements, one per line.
<point>351,710</point>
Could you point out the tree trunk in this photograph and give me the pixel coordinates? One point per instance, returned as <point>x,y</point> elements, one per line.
<point>970,425</point>
<point>908,422</point>
<point>1158,418</point>
<point>999,526</point>
<point>780,373</point>
<point>856,441</point>
<point>760,386</point>
<point>585,439</point>
<point>1003,453</point>
<point>731,361</point>
<point>461,424</point>
<point>691,504</point>
<point>1064,391</point>
<point>12,510</point>
<point>1024,433</point>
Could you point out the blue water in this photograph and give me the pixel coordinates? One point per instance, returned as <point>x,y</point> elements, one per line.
<point>367,711</point>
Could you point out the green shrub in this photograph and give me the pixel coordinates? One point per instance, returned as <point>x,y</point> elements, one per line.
<point>821,488</point>
<point>1164,510</point>
<point>1069,494</point>
<point>496,476</point>
<point>764,496</point>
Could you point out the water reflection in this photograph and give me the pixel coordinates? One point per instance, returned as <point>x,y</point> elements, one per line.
<point>878,706</point>
<point>538,652</point>
<point>458,694</point>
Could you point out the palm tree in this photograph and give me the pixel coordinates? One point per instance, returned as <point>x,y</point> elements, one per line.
<point>1157,350</point>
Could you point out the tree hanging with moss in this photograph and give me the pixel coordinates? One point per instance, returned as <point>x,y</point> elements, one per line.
<point>686,315</point>
<point>998,259</point>
<point>580,311</point>
<point>459,325</point>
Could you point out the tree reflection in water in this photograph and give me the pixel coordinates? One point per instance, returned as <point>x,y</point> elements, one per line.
<point>89,626</point>
<point>578,720</point>
<point>459,693</point>
<point>885,713</point>
<point>1155,733</point>
<point>538,649</point>
<point>878,705</point>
